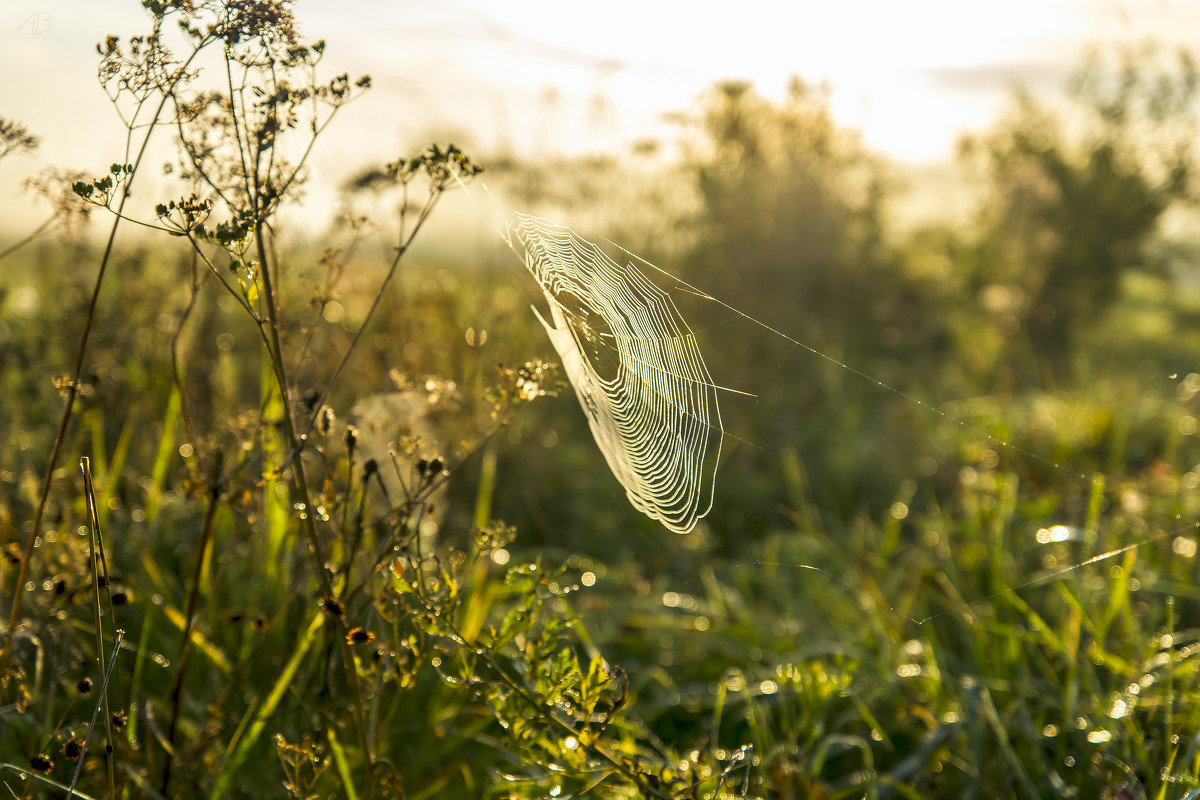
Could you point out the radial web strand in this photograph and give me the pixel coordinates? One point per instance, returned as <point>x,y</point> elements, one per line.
<point>635,367</point>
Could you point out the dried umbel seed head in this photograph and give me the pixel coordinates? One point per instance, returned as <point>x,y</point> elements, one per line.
<point>325,419</point>
<point>119,718</point>
<point>351,437</point>
<point>435,466</point>
<point>370,467</point>
<point>84,686</point>
<point>41,763</point>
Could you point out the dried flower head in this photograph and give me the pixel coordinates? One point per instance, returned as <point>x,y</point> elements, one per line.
<point>56,187</point>
<point>16,138</point>
<point>269,20</point>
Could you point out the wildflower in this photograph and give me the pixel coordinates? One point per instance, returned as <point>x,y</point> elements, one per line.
<point>72,749</point>
<point>333,608</point>
<point>359,636</point>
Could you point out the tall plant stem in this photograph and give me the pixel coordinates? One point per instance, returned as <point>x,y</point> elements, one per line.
<point>73,387</point>
<point>185,648</point>
<point>300,484</point>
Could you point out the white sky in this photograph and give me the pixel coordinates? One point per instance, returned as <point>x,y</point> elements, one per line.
<point>541,77</point>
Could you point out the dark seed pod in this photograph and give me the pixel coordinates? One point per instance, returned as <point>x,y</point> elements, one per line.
<point>41,763</point>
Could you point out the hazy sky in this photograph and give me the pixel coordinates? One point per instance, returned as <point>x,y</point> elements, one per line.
<point>540,77</point>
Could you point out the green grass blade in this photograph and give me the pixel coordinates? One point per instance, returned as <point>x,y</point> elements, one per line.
<point>241,750</point>
<point>343,766</point>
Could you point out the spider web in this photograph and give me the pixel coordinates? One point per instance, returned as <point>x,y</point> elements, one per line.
<point>636,370</point>
<point>652,405</point>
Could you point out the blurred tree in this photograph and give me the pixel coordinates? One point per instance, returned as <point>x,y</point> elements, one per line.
<point>791,208</point>
<point>791,225</point>
<point>1074,200</point>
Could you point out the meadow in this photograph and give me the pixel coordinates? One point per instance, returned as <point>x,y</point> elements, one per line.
<point>289,512</point>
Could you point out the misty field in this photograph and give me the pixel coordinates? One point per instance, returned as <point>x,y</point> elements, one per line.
<point>319,510</point>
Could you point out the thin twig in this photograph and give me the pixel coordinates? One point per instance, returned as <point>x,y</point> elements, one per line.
<point>120,637</point>
<point>401,249</point>
<point>185,647</point>
<point>31,237</point>
<point>98,559</point>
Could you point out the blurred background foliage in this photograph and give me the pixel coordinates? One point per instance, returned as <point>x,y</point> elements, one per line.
<point>1060,317</point>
